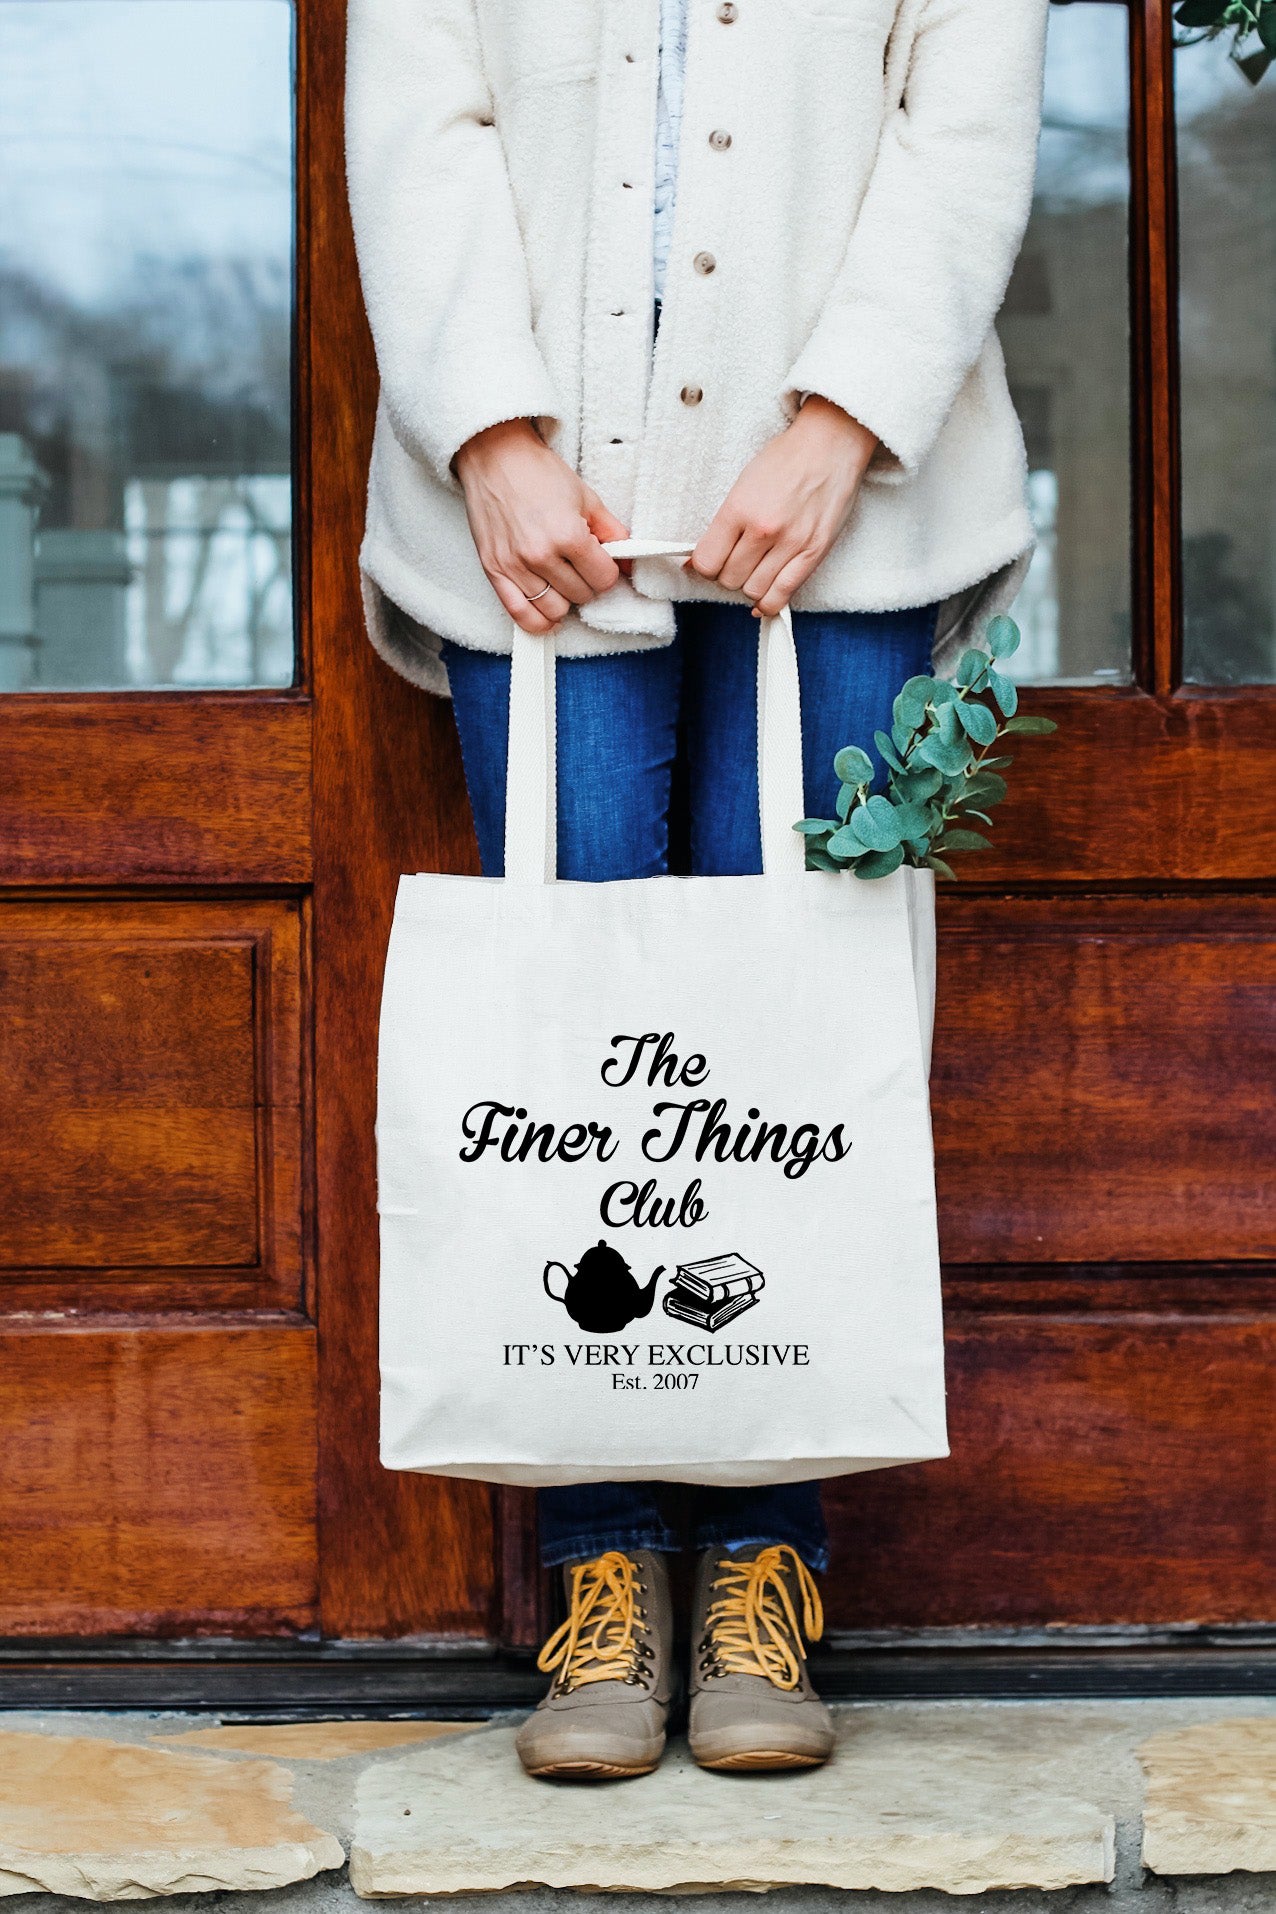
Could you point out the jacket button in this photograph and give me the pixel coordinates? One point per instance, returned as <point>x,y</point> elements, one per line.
<point>727,12</point>
<point>719,141</point>
<point>691,395</point>
<point>704,262</point>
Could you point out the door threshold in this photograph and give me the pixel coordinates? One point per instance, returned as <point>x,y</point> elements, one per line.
<point>471,1680</point>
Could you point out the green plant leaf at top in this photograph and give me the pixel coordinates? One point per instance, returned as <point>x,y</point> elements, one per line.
<point>972,667</point>
<point>977,721</point>
<point>845,844</point>
<point>962,841</point>
<point>887,751</point>
<point>950,758</point>
<point>912,699</point>
<point>1028,725</point>
<point>815,826</point>
<point>853,766</point>
<point>1003,636</point>
<point>876,825</point>
<point>915,786</point>
<point>818,860</point>
<point>1003,690</point>
<point>912,820</point>
<point>986,787</point>
<point>938,865</point>
<point>880,863</point>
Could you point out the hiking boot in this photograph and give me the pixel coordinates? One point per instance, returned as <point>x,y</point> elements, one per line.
<point>752,1703</point>
<point>604,1716</point>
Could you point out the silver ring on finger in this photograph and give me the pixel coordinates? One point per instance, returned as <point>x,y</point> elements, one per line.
<point>531,597</point>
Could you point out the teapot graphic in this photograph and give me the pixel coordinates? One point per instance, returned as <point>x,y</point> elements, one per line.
<point>602,1294</point>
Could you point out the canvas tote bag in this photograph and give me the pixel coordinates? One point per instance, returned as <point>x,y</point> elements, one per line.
<point>656,1183</point>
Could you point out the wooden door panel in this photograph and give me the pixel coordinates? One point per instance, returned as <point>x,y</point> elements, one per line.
<point>150,1134</point>
<point>1102,1080</point>
<point>1115,1470</point>
<point>161,787</point>
<point>1137,789</point>
<point>157,1479</point>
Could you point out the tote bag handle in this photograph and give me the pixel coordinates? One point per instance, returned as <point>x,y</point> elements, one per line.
<point>531,810</point>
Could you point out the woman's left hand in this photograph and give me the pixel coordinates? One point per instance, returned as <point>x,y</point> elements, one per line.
<point>787,507</point>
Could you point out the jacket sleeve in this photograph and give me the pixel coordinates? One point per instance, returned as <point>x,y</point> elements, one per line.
<point>440,254</point>
<point>937,233</point>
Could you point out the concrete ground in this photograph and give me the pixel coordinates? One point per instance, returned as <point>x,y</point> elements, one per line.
<point>946,1803</point>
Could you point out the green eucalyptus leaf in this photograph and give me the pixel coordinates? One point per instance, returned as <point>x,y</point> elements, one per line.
<point>1003,690</point>
<point>972,667</point>
<point>880,863</point>
<point>941,692</point>
<point>977,721</point>
<point>887,751</point>
<point>1200,13</point>
<point>875,825</point>
<point>941,869</point>
<point>818,860</point>
<point>846,796</point>
<point>1028,725</point>
<point>919,785</point>
<point>1003,636</point>
<point>903,736</point>
<point>949,758</point>
<point>845,843</point>
<point>986,787</point>
<point>912,820</point>
<point>995,764</point>
<point>1267,28</point>
<point>853,766</point>
<point>912,700</point>
<point>815,826</point>
<point>962,841</point>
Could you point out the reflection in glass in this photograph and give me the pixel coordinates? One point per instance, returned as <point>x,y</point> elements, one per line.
<point>1065,330</point>
<point>1227,327</point>
<point>145,340</point>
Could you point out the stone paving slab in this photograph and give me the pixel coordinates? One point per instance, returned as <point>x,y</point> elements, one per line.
<point>110,1822</point>
<point>1079,1751</point>
<point>313,1740</point>
<point>913,1798</point>
<point>1210,1804</point>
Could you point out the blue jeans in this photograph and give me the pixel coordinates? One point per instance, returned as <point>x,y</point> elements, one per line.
<point>622,720</point>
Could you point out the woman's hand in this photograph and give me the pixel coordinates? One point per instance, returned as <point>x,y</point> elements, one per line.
<point>787,507</point>
<point>535,523</point>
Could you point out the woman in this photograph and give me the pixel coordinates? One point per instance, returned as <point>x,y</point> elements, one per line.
<point>714,269</point>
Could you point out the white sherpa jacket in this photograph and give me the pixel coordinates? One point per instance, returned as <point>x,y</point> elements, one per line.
<point>853,238</point>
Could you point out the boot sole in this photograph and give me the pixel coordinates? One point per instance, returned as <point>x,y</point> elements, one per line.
<point>589,1770</point>
<point>761,1760</point>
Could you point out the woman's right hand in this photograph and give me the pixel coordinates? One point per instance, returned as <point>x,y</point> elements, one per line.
<point>535,523</point>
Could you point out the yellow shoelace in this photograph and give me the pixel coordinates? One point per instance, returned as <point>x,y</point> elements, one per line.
<point>601,1639</point>
<point>752,1628</point>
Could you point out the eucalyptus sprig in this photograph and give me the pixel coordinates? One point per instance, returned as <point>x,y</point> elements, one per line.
<point>1206,19</point>
<point>940,775</point>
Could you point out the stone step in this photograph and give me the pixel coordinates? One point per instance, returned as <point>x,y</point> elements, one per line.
<point>1042,1804</point>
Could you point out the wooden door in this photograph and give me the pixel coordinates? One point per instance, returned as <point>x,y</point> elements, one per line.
<point>1106,1033</point>
<point>197,890</point>
<point>197,855</point>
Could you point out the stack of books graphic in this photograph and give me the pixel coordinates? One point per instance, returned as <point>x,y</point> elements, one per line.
<point>710,1293</point>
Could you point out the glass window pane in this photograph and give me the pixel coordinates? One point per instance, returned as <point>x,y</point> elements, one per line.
<point>145,343</point>
<point>1227,328</point>
<point>1065,330</point>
